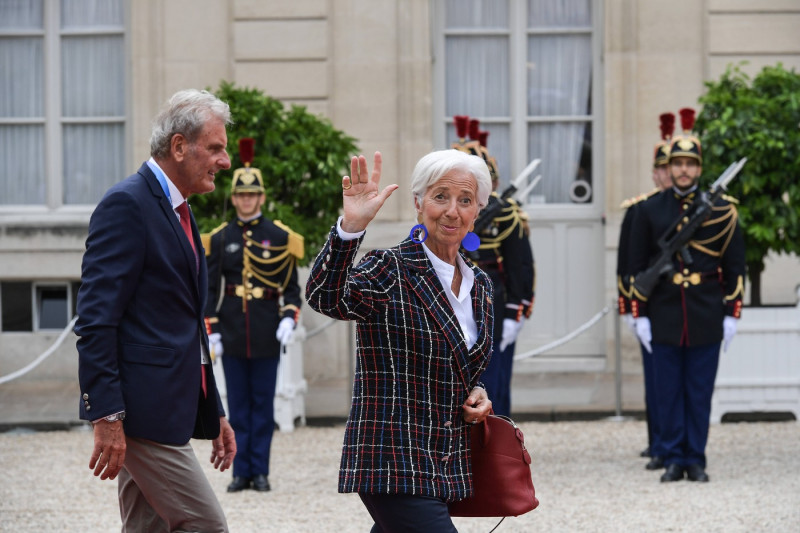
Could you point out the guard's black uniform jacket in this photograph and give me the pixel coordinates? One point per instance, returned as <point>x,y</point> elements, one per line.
<point>687,309</point>
<point>505,254</point>
<point>624,274</point>
<point>252,267</point>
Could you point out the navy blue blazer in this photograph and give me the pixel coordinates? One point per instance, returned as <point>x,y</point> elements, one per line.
<point>140,318</point>
<point>405,433</point>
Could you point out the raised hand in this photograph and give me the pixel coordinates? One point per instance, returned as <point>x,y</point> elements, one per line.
<point>361,200</point>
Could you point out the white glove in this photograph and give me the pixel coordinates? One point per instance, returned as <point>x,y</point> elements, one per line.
<point>630,322</point>
<point>728,331</point>
<point>511,329</point>
<point>285,329</point>
<point>644,333</point>
<point>215,343</point>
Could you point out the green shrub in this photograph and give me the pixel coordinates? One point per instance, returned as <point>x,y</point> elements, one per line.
<point>758,119</point>
<point>302,158</point>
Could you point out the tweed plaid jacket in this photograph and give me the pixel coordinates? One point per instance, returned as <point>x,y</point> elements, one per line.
<point>405,433</point>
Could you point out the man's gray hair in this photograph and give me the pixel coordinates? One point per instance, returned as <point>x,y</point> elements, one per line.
<point>186,112</point>
<point>433,166</point>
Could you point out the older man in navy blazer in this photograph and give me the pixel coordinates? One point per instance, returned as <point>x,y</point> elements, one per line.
<point>143,350</point>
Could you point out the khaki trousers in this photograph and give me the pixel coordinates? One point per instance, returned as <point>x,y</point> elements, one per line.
<point>163,488</point>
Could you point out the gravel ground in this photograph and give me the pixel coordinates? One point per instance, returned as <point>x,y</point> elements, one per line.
<point>588,477</point>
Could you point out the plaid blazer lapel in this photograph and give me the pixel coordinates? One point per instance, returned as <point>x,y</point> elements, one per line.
<point>482,310</point>
<point>425,283</point>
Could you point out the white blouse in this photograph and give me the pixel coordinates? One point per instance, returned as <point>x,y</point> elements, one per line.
<point>462,304</point>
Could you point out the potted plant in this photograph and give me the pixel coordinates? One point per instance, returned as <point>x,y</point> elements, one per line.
<point>758,118</point>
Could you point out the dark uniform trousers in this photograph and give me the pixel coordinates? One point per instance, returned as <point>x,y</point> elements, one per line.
<point>251,402</point>
<point>684,381</point>
<point>251,269</point>
<point>686,312</point>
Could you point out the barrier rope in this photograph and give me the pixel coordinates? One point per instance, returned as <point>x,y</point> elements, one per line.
<point>566,338</point>
<point>558,342</point>
<point>532,353</point>
<point>321,327</point>
<point>43,356</point>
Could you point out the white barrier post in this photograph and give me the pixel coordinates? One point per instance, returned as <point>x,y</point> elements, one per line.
<point>291,388</point>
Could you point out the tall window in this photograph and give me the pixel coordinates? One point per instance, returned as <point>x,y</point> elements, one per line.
<point>524,68</point>
<point>62,100</point>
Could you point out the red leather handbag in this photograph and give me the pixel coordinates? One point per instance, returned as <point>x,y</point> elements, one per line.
<point>501,472</point>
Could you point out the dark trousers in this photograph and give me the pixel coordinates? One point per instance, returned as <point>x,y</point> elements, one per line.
<point>251,402</point>
<point>497,378</point>
<point>651,405</point>
<point>401,513</point>
<point>684,379</point>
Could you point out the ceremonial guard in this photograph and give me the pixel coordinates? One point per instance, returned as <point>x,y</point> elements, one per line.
<point>688,314</point>
<point>662,181</point>
<point>505,254</point>
<point>253,307</point>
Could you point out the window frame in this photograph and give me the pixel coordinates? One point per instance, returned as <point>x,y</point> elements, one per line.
<point>53,120</point>
<point>33,288</point>
<point>36,287</point>
<point>519,120</point>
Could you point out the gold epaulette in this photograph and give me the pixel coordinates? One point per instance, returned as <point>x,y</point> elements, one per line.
<point>730,199</point>
<point>205,238</point>
<point>295,243</point>
<point>636,199</point>
<point>219,228</point>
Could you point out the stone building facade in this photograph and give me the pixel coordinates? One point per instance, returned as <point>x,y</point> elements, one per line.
<point>390,73</point>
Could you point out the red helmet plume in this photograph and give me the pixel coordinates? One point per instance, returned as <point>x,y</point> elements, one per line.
<point>667,125</point>
<point>687,119</point>
<point>247,150</point>
<point>483,137</point>
<point>462,123</point>
<point>474,129</point>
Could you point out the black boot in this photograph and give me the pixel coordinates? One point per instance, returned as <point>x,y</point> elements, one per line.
<point>239,483</point>
<point>261,483</point>
<point>674,473</point>
<point>696,473</point>
<point>656,463</point>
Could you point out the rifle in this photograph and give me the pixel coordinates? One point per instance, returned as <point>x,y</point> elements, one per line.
<point>493,208</point>
<point>676,240</point>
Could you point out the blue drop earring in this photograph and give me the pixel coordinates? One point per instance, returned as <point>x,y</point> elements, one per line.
<point>471,242</point>
<point>419,228</point>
